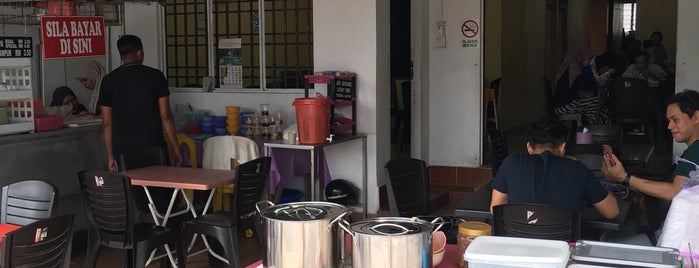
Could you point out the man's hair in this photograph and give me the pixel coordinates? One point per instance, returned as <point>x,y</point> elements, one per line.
<point>548,131</point>
<point>644,54</point>
<point>129,44</point>
<point>687,100</point>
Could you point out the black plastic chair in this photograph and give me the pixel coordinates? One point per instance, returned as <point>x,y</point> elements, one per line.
<point>537,221</point>
<point>27,201</point>
<point>408,187</point>
<point>110,214</point>
<point>497,147</point>
<point>606,134</point>
<point>632,105</point>
<point>43,243</point>
<point>223,226</point>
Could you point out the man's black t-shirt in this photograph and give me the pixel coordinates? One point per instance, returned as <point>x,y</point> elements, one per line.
<point>132,91</point>
<point>547,179</point>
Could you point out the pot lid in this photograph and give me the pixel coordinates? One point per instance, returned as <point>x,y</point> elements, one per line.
<point>391,226</point>
<point>304,211</point>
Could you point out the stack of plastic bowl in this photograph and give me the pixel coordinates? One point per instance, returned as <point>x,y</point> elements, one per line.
<point>233,119</point>
<point>207,124</point>
<point>220,125</point>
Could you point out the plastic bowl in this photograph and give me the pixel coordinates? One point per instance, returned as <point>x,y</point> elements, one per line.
<point>220,119</point>
<point>207,124</point>
<point>437,257</point>
<point>221,131</point>
<point>220,124</point>
<point>207,119</point>
<point>439,241</point>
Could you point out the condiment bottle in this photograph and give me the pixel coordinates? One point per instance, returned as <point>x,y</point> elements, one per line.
<point>468,231</point>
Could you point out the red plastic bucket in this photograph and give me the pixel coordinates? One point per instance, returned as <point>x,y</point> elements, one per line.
<point>312,117</point>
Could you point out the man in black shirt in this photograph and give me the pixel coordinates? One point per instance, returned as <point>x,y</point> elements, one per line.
<point>135,105</point>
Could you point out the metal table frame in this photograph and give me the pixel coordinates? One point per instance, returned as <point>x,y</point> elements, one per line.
<point>313,148</point>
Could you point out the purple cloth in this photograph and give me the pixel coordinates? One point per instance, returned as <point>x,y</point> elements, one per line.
<point>287,163</point>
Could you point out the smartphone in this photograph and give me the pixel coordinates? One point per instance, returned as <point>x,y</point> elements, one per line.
<point>607,151</point>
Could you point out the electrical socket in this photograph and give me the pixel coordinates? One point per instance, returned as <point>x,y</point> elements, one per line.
<point>440,40</point>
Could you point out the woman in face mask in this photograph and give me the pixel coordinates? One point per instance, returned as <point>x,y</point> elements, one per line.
<point>65,96</point>
<point>90,75</point>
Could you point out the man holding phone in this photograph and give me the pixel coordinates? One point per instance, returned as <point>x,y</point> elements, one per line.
<point>683,122</point>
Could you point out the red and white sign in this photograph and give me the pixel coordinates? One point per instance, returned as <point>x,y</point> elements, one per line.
<point>72,36</point>
<point>469,28</point>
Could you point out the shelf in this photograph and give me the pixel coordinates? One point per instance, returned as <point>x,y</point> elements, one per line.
<point>343,127</point>
<point>343,103</point>
<point>15,94</point>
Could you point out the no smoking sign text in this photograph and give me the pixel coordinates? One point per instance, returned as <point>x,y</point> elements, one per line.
<point>470,29</point>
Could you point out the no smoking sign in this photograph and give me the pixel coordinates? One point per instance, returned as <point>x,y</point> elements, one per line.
<point>469,28</point>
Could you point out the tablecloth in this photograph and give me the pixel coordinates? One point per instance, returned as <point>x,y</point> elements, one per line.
<point>286,163</point>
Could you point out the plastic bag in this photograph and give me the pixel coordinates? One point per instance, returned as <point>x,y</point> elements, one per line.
<point>681,228</point>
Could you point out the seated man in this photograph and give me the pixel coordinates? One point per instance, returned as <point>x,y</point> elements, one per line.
<point>546,176</point>
<point>644,70</point>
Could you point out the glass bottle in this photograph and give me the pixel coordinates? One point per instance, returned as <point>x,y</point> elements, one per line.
<point>468,231</point>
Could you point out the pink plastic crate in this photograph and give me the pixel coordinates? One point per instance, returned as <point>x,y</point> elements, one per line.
<point>48,122</point>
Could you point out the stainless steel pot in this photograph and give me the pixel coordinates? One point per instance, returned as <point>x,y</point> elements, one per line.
<point>302,234</point>
<point>391,242</point>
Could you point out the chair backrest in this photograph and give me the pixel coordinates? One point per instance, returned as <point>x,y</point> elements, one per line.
<point>191,148</point>
<point>108,203</point>
<point>219,150</point>
<point>408,187</point>
<point>27,201</point>
<point>497,147</point>
<point>538,221</point>
<point>142,156</point>
<point>43,243</point>
<point>630,99</point>
<point>606,134</point>
<point>249,184</point>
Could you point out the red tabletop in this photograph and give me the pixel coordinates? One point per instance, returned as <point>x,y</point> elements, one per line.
<point>449,261</point>
<point>6,228</point>
<point>180,177</point>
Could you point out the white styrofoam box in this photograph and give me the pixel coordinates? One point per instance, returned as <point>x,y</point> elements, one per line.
<point>577,265</point>
<point>500,251</point>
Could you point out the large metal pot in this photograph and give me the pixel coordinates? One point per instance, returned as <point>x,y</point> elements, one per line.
<point>302,234</point>
<point>391,242</point>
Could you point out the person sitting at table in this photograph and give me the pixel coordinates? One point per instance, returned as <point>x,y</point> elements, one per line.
<point>65,96</point>
<point>683,122</point>
<point>644,70</point>
<point>579,77</point>
<point>544,175</point>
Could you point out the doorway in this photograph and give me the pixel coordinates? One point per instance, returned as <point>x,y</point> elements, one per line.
<point>401,74</point>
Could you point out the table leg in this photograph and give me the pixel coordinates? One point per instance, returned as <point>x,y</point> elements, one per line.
<point>364,177</point>
<point>313,176</point>
<point>156,216</point>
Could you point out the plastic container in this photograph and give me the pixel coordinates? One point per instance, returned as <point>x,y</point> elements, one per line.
<point>468,231</point>
<point>48,122</point>
<point>289,195</point>
<point>312,117</point>
<point>500,251</point>
<point>623,255</point>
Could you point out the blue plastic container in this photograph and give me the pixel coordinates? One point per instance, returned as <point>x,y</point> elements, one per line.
<point>289,195</point>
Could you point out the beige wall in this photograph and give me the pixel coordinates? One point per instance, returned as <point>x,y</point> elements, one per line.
<point>660,16</point>
<point>492,48</point>
<point>521,93</point>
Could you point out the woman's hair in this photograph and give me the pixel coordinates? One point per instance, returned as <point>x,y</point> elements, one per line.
<point>687,100</point>
<point>548,131</point>
<point>60,94</point>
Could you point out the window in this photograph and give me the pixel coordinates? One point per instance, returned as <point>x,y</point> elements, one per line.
<point>285,25</point>
<point>629,17</point>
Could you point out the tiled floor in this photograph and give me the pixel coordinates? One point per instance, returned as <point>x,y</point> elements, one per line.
<point>249,250</point>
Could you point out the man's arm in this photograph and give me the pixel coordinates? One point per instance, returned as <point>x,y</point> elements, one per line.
<point>107,132</point>
<point>169,125</point>
<point>497,198</point>
<point>607,207</point>
<point>659,189</point>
